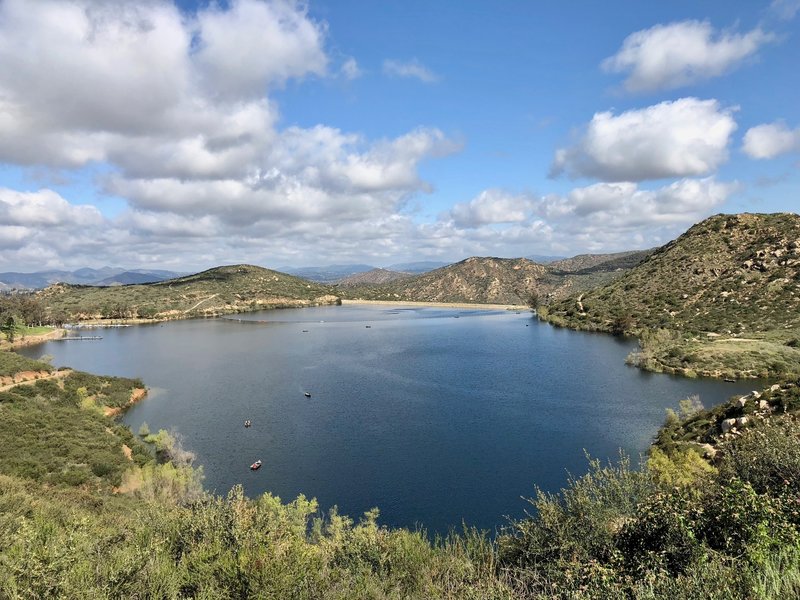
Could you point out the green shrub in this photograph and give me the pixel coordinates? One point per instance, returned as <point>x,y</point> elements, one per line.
<point>767,457</point>
<point>739,522</point>
<point>661,536</point>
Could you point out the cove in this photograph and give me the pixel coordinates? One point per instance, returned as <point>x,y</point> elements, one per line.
<point>434,415</point>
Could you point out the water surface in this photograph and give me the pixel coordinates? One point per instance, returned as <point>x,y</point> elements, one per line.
<point>432,418</point>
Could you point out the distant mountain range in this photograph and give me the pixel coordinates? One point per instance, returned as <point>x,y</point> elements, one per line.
<point>105,276</point>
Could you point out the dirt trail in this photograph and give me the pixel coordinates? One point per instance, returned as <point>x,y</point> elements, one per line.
<point>188,310</point>
<point>31,377</point>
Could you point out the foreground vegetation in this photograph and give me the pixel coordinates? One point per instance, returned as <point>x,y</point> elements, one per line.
<point>90,510</point>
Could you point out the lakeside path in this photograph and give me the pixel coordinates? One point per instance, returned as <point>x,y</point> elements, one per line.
<point>32,340</point>
<point>519,307</point>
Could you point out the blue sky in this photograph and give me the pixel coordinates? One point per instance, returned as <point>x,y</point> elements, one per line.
<point>191,134</point>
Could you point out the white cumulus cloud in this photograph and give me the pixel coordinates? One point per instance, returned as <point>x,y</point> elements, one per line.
<point>771,140</point>
<point>679,54</point>
<point>686,137</point>
<point>624,206</point>
<point>492,207</point>
<point>177,109</point>
<point>253,44</point>
<point>412,69</point>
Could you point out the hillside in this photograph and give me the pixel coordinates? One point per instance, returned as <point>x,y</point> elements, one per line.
<point>490,280</point>
<point>479,280</point>
<point>221,290</point>
<point>327,274</point>
<point>584,263</point>
<point>373,277</point>
<point>130,278</point>
<point>726,294</point>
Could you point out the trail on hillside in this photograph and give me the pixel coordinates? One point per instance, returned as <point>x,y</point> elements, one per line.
<point>55,375</point>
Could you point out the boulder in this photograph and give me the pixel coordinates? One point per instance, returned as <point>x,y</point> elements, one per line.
<point>742,421</point>
<point>763,405</point>
<point>775,387</point>
<point>742,402</point>
<point>727,425</point>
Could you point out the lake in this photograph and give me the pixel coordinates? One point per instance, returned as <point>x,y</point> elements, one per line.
<point>436,416</point>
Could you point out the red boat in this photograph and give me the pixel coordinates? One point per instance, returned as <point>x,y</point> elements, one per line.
<point>255,466</point>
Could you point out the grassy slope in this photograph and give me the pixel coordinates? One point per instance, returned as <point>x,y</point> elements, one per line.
<point>734,276</point>
<point>216,291</point>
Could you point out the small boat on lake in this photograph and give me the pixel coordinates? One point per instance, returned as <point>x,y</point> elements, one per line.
<point>307,394</point>
<point>247,423</point>
<point>255,466</point>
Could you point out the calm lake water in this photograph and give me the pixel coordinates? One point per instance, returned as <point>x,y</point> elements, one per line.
<point>433,419</point>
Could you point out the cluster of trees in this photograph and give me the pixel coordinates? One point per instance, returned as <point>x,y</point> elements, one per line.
<point>25,308</point>
<point>21,310</point>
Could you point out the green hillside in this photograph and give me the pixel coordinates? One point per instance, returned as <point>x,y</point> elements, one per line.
<point>723,299</point>
<point>221,290</point>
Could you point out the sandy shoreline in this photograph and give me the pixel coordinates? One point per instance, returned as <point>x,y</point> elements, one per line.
<point>519,307</point>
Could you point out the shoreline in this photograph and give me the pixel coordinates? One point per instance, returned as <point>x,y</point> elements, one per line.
<point>519,307</point>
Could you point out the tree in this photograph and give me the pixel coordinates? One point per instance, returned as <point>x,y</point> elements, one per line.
<point>622,324</point>
<point>534,300</point>
<point>11,323</point>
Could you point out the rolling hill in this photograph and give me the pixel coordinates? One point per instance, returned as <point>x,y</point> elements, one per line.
<point>373,277</point>
<point>221,290</point>
<point>479,280</point>
<point>489,280</point>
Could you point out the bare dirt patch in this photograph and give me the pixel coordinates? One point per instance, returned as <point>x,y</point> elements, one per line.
<point>28,377</point>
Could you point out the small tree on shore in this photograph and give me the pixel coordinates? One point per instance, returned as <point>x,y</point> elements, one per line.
<point>534,300</point>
